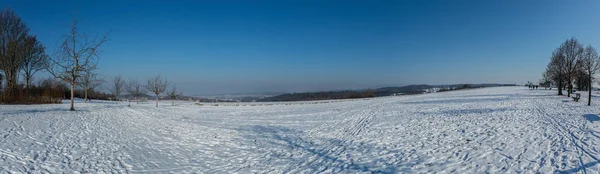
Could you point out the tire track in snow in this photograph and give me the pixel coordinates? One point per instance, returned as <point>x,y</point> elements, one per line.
<point>568,137</point>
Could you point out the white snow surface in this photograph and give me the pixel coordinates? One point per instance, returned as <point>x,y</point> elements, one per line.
<point>489,130</point>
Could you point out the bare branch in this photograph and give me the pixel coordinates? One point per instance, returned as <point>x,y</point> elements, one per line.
<point>135,89</point>
<point>117,86</point>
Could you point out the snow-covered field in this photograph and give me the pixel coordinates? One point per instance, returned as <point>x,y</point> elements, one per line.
<point>497,130</point>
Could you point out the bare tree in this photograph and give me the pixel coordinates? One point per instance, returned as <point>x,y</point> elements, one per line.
<point>591,65</point>
<point>157,86</point>
<point>76,54</point>
<point>546,80</point>
<point>555,70</point>
<point>117,87</point>
<point>135,89</point>
<point>35,60</point>
<point>13,36</point>
<point>572,52</point>
<point>581,78</point>
<point>88,82</point>
<point>174,94</point>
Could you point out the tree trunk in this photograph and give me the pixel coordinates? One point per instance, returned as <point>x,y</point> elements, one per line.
<point>85,92</point>
<point>156,100</point>
<point>569,88</point>
<point>27,79</point>
<point>11,84</point>
<point>172,102</point>
<point>11,80</point>
<point>72,96</point>
<point>27,86</point>
<point>560,87</point>
<point>590,90</point>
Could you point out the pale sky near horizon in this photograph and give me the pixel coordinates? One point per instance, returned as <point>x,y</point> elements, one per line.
<point>215,47</point>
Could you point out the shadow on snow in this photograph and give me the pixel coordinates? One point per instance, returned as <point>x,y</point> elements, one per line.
<point>300,152</point>
<point>582,167</point>
<point>458,112</point>
<point>31,111</point>
<point>591,117</point>
<point>458,101</point>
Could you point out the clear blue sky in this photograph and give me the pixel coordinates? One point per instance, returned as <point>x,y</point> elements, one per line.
<point>210,47</point>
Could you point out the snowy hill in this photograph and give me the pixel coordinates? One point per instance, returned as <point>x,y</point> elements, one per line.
<point>496,130</point>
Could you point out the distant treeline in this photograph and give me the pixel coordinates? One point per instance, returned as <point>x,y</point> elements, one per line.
<point>410,89</point>
<point>380,92</point>
<point>419,89</point>
<point>47,91</point>
<point>307,96</point>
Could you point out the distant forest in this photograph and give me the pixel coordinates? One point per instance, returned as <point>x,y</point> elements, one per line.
<point>321,96</point>
<point>380,92</point>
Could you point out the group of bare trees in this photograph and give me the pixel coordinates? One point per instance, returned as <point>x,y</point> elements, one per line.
<point>20,52</point>
<point>74,62</point>
<point>156,85</point>
<point>570,64</point>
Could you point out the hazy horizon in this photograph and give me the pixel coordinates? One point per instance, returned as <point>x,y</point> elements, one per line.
<point>330,89</point>
<point>227,47</point>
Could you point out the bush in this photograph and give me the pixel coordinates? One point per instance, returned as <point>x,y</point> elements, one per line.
<point>48,91</point>
<point>32,96</point>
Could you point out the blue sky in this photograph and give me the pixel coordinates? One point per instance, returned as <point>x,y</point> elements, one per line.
<point>211,47</point>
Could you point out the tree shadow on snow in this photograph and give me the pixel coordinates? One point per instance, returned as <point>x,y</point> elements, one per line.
<point>591,117</point>
<point>300,152</point>
<point>457,112</point>
<point>458,101</point>
<point>488,95</point>
<point>30,111</point>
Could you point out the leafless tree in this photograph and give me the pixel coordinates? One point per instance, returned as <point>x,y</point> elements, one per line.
<point>555,70</point>
<point>546,80</point>
<point>117,87</point>
<point>76,54</point>
<point>157,85</point>
<point>174,94</point>
<point>591,65</point>
<point>135,89</point>
<point>88,82</point>
<point>581,80</point>
<point>35,60</point>
<point>13,36</point>
<point>572,52</point>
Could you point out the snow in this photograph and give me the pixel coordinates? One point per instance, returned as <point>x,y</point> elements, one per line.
<point>495,130</point>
